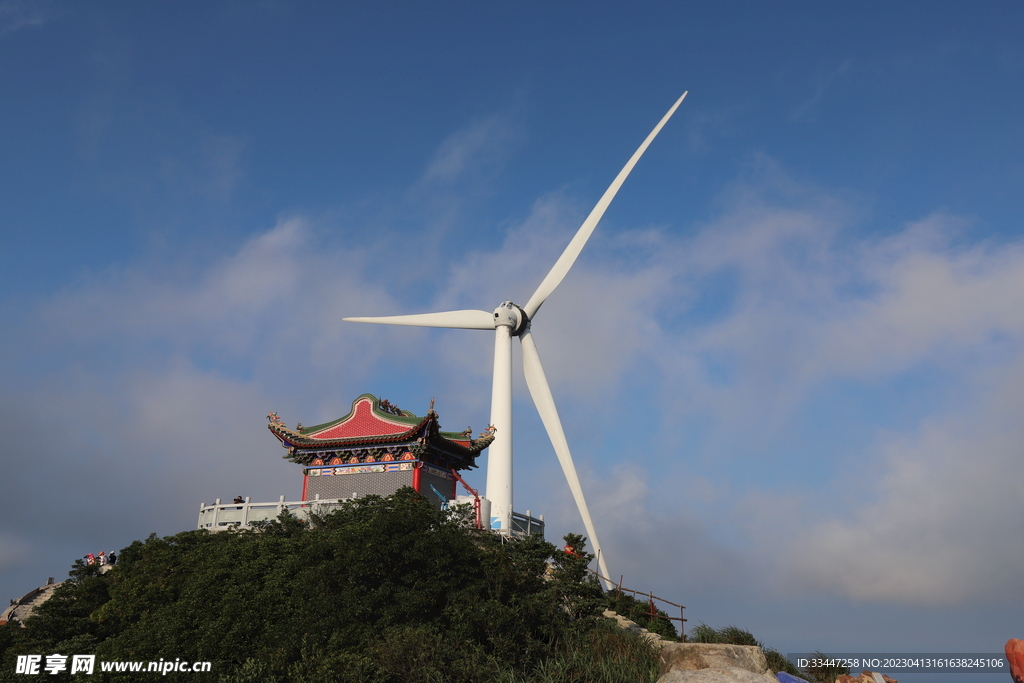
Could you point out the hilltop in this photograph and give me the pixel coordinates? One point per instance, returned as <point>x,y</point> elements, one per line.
<point>385,589</point>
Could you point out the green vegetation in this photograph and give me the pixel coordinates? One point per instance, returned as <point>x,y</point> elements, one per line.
<point>383,590</point>
<point>730,635</point>
<point>603,654</point>
<point>639,611</point>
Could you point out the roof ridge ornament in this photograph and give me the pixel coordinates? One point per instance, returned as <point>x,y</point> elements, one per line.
<point>389,407</point>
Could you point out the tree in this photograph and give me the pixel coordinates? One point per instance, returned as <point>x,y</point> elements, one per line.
<point>383,589</point>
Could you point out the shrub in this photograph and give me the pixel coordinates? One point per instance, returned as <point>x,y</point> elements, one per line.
<point>603,654</point>
<point>640,612</point>
<point>383,590</point>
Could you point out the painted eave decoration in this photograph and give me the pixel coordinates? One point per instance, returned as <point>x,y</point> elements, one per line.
<point>376,422</point>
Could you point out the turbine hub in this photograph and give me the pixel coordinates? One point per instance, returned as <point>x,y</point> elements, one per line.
<point>509,315</point>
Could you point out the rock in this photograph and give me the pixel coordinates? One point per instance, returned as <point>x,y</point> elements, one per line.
<point>1015,657</point>
<point>698,656</point>
<point>730,674</point>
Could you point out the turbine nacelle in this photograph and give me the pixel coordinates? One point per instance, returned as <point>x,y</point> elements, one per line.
<point>511,316</point>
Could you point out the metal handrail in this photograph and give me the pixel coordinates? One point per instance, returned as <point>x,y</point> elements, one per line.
<point>651,597</point>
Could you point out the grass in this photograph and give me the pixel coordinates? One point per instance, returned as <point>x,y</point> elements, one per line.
<point>608,654</point>
<point>604,654</point>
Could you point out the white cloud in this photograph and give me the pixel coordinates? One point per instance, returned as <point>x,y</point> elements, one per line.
<point>929,301</point>
<point>19,14</point>
<point>807,110</point>
<point>278,294</point>
<point>937,520</point>
<point>485,140</point>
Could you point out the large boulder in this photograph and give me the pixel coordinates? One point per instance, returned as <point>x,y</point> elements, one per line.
<point>729,674</point>
<point>698,656</point>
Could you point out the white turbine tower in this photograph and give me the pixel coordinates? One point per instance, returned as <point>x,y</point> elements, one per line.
<point>507,321</point>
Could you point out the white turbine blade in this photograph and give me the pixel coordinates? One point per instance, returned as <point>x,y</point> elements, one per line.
<point>463,320</point>
<point>541,393</point>
<point>568,257</point>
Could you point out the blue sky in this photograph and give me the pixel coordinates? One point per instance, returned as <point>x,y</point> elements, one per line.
<point>789,361</point>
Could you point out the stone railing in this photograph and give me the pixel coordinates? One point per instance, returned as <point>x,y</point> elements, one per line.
<point>220,516</point>
<point>21,609</point>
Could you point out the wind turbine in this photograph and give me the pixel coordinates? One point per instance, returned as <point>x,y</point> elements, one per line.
<point>510,320</point>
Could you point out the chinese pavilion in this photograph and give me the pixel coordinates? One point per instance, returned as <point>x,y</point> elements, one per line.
<point>377,449</point>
